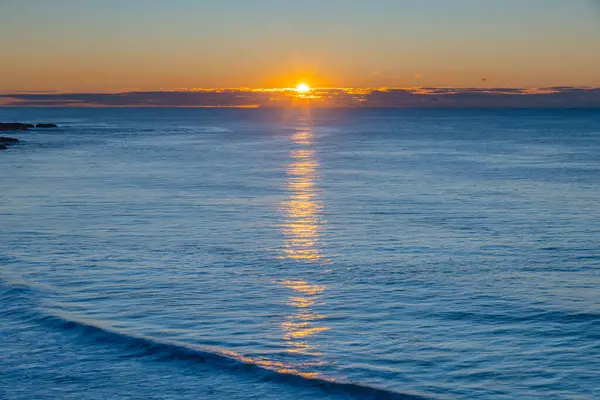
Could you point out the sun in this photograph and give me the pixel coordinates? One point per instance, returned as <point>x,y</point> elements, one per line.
<point>302,88</point>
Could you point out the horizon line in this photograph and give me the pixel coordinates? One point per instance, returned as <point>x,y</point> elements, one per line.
<point>380,97</point>
<point>531,89</point>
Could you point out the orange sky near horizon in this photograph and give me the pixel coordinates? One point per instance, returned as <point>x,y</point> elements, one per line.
<point>85,46</point>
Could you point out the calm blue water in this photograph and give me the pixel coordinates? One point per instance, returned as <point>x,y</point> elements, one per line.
<point>252,254</point>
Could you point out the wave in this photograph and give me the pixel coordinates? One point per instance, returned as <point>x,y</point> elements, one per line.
<point>141,346</point>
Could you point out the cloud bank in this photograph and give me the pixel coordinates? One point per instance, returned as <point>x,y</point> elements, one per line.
<point>554,97</point>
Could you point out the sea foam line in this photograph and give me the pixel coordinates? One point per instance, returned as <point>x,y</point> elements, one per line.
<point>165,350</point>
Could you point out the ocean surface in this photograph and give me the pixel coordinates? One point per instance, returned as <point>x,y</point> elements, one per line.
<point>300,254</point>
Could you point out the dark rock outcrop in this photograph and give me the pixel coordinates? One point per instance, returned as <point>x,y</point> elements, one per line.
<point>46,126</point>
<point>14,126</point>
<point>3,147</point>
<point>5,140</point>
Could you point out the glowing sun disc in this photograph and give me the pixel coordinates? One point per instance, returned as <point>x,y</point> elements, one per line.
<point>302,88</point>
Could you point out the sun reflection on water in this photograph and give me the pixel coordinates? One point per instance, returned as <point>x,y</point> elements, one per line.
<point>277,366</point>
<point>302,230</point>
<point>302,209</point>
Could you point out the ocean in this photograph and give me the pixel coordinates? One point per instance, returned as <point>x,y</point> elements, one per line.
<point>300,254</point>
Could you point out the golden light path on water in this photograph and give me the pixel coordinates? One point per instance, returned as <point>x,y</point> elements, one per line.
<point>302,228</point>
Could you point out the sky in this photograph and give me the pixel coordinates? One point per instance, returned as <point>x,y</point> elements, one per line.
<point>90,46</point>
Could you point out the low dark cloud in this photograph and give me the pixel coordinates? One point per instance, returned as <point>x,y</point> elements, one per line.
<point>553,97</point>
